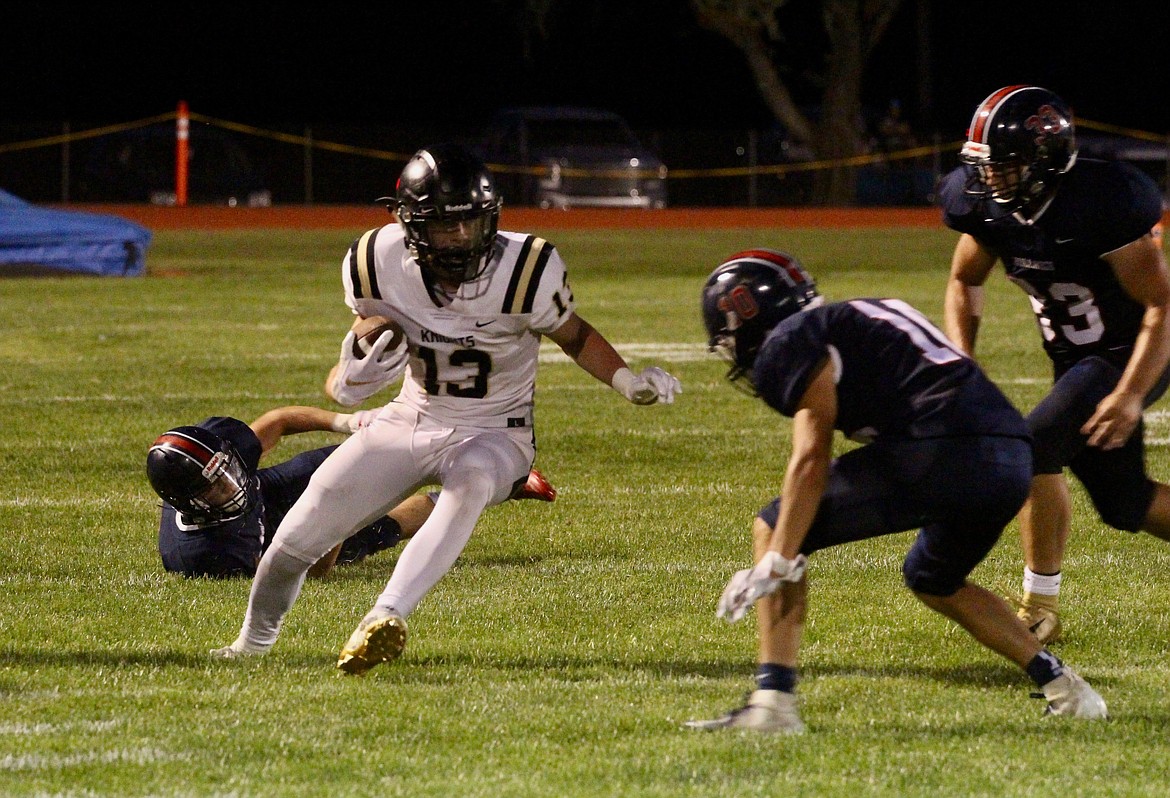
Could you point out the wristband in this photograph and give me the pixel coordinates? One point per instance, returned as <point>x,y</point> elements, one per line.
<point>623,381</point>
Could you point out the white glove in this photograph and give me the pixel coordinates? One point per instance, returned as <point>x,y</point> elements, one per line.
<point>751,584</point>
<point>352,422</point>
<point>360,378</point>
<point>650,386</point>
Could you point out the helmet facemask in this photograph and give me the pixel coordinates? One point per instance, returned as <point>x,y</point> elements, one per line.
<point>226,494</point>
<point>999,181</point>
<point>739,376</point>
<point>453,248</point>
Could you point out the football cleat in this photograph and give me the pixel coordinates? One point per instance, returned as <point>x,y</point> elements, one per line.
<point>239,650</point>
<point>537,487</point>
<point>1043,622</point>
<point>1069,694</point>
<point>765,711</point>
<point>380,637</point>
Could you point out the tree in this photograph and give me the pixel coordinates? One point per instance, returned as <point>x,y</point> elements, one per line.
<point>853,29</point>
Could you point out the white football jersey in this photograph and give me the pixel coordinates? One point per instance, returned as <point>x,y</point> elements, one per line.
<point>472,359</point>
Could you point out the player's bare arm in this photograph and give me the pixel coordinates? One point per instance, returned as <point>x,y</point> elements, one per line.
<point>589,349</point>
<point>1141,269</point>
<point>291,420</point>
<point>808,465</point>
<point>971,264</point>
<point>592,352</point>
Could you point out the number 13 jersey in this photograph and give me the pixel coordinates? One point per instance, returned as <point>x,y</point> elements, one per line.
<point>473,355</point>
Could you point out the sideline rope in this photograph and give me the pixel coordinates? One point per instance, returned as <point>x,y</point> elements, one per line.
<point>677,174</point>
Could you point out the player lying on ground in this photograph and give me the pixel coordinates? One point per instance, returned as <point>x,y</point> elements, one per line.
<point>220,508</point>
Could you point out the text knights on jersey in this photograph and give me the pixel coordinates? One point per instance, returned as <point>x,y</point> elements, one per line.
<point>432,337</point>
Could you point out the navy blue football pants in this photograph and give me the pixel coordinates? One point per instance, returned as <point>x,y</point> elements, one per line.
<point>959,492</point>
<point>1115,479</point>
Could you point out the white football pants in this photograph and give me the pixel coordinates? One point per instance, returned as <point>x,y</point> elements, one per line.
<point>367,475</point>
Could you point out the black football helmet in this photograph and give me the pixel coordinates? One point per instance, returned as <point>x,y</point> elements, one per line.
<point>746,296</point>
<point>447,203</point>
<point>1021,141</point>
<point>200,474</point>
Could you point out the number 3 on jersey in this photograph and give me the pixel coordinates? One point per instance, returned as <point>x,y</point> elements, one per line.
<point>461,359</point>
<point>1080,308</point>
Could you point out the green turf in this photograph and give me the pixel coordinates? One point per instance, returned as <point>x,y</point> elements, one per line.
<point>562,654</point>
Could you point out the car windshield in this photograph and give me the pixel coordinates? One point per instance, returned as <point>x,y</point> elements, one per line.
<point>586,132</point>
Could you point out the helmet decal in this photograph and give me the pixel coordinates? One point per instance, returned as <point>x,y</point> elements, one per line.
<point>1043,123</point>
<point>214,465</point>
<point>196,450</point>
<point>794,275</point>
<point>738,303</point>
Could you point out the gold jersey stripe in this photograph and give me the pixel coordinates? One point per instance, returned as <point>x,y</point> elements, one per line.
<point>527,270</point>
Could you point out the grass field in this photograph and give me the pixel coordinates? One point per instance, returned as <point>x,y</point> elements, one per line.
<point>562,654</point>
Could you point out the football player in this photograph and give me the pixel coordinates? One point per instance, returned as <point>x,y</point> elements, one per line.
<point>220,507</point>
<point>882,374</point>
<point>474,302</point>
<point>1079,236</point>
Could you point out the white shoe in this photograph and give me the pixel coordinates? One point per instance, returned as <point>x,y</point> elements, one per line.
<point>765,711</point>
<point>240,649</point>
<point>1069,694</point>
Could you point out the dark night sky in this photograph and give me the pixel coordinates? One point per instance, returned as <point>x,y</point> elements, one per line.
<point>391,62</point>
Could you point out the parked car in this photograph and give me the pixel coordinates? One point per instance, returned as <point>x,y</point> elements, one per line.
<point>567,157</point>
<point>139,166</point>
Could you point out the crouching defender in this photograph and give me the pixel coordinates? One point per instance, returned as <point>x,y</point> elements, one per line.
<point>881,373</point>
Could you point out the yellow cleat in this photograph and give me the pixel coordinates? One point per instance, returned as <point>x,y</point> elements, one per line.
<point>380,637</point>
<point>1043,622</point>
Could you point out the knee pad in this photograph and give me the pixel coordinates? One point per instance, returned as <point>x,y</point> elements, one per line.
<point>943,556</point>
<point>922,579</point>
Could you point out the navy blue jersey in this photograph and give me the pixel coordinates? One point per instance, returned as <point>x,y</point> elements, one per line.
<point>226,548</point>
<point>897,374</point>
<point>234,547</point>
<point>281,485</point>
<point>1080,306</point>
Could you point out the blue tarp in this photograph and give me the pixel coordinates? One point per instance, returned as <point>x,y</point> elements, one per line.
<point>36,240</point>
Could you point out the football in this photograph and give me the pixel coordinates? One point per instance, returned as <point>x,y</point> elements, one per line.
<point>368,330</point>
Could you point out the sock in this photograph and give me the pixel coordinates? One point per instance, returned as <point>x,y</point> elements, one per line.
<point>438,542</point>
<point>770,676</point>
<point>275,587</point>
<point>1043,584</point>
<point>382,534</point>
<point>1044,667</point>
